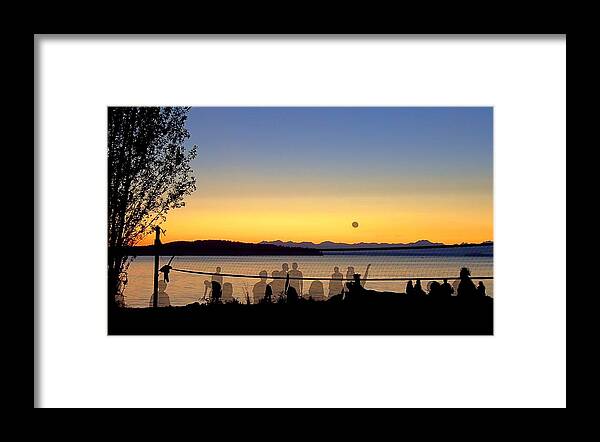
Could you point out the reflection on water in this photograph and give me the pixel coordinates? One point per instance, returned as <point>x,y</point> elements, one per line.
<point>185,288</point>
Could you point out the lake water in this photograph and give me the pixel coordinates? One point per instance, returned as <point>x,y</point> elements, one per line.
<point>185,288</point>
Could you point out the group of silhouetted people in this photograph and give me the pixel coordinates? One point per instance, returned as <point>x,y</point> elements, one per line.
<point>287,285</point>
<point>285,282</point>
<point>466,287</point>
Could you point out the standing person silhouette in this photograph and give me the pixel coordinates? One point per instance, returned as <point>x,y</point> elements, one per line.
<point>336,285</point>
<point>296,283</point>
<point>349,277</point>
<point>215,296</point>
<point>350,274</point>
<point>217,277</point>
<point>166,269</point>
<point>409,288</point>
<point>260,288</point>
<point>285,273</point>
<point>277,285</point>
<point>268,299</point>
<point>207,289</point>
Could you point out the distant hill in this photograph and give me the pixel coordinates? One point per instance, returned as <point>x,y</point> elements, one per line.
<point>218,247</point>
<point>341,245</point>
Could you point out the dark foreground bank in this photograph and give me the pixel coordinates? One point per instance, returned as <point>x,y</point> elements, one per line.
<point>383,314</point>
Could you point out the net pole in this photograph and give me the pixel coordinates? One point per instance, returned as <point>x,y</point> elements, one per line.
<point>156,257</point>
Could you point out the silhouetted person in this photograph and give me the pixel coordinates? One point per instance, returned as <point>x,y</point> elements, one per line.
<point>292,295</point>
<point>315,291</point>
<point>409,288</point>
<point>165,270</point>
<point>466,287</point>
<point>354,288</point>
<point>435,290</point>
<point>295,273</point>
<point>217,277</point>
<point>207,289</point>
<point>350,274</point>
<point>287,283</point>
<point>418,290</point>
<point>268,295</point>
<point>163,297</point>
<point>285,268</point>
<point>277,285</point>
<point>227,292</point>
<point>446,289</point>
<point>215,295</point>
<point>260,288</point>
<point>336,285</point>
<point>481,289</point>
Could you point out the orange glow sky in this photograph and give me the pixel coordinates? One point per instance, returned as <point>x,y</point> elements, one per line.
<point>289,174</point>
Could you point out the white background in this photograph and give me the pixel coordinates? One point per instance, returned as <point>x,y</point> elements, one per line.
<point>523,365</point>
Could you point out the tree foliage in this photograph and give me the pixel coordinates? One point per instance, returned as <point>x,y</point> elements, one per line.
<point>149,173</point>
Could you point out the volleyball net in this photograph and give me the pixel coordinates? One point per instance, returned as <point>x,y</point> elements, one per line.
<point>319,276</point>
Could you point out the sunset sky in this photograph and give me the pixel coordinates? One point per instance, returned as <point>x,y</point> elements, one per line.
<point>305,174</point>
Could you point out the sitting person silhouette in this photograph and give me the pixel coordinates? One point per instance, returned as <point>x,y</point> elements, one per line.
<point>227,292</point>
<point>466,287</point>
<point>409,288</point>
<point>163,297</point>
<point>481,289</point>
<point>336,285</point>
<point>355,289</point>
<point>292,295</point>
<point>315,291</point>
<point>446,289</point>
<point>215,296</point>
<point>435,290</point>
<point>418,290</point>
<point>260,288</point>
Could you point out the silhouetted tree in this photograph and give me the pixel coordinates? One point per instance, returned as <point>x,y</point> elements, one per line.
<point>149,173</point>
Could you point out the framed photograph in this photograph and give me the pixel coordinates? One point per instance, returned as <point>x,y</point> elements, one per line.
<point>300,221</point>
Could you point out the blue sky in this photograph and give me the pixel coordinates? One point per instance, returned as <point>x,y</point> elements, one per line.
<point>321,159</point>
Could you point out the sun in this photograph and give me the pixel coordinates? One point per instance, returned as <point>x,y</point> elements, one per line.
<point>354,224</point>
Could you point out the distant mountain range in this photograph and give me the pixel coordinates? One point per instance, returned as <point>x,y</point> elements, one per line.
<point>342,245</point>
<point>217,247</point>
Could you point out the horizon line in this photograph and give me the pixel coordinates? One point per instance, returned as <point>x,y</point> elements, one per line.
<point>328,241</point>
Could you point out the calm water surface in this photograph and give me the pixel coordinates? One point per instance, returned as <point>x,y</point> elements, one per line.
<point>185,288</point>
